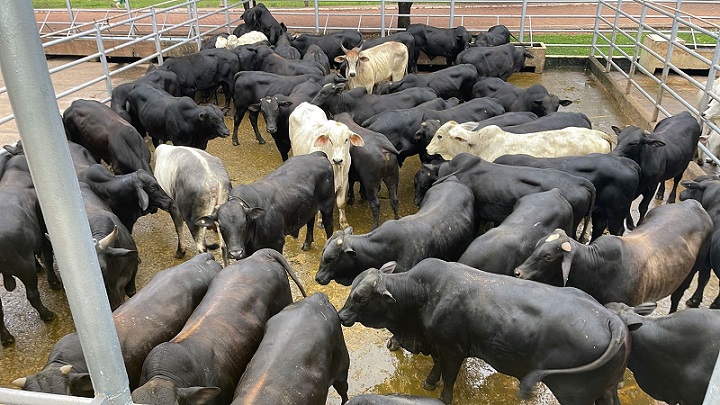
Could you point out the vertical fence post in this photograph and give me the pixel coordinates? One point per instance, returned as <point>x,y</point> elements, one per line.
<point>523,16</point>
<point>608,64</point>
<point>382,17</point>
<point>227,17</point>
<point>452,13</point>
<point>596,28</point>
<point>317,17</point>
<point>72,17</point>
<point>636,52</point>
<point>158,45</point>
<point>196,23</point>
<point>103,59</point>
<point>668,59</point>
<point>31,95</point>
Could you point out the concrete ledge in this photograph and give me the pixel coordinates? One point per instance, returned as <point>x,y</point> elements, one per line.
<point>680,58</point>
<point>88,46</point>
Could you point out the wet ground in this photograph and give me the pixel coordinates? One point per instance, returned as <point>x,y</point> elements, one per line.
<point>373,368</point>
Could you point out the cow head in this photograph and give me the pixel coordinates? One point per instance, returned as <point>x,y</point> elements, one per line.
<point>352,58</point>
<point>547,104</point>
<point>552,254</point>
<point>236,221</point>
<point>58,380</point>
<point>338,259</point>
<point>150,195</point>
<point>212,125</point>
<point>695,188</point>
<point>335,139</point>
<point>369,299</point>
<point>107,255</point>
<point>452,139</point>
<point>424,179</point>
<point>270,107</point>
<point>326,93</point>
<point>159,391</point>
<point>632,316</point>
<point>633,140</point>
<point>462,38</point>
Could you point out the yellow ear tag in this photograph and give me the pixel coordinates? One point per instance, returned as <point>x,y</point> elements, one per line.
<point>566,246</point>
<point>552,237</point>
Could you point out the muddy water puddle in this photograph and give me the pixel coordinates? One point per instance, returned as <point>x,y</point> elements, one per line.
<point>373,368</point>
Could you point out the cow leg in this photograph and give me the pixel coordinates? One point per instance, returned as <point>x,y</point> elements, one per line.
<point>46,257</point>
<point>660,191</point>
<point>673,192</point>
<point>703,278</point>
<point>351,190</point>
<point>28,276</point>
<point>644,204</point>
<point>340,201</point>
<point>198,234</point>
<point>599,223</point>
<point>433,379</point>
<point>5,337</point>
<point>450,367</point>
<point>178,221</point>
<point>237,119</point>
<point>253,115</point>
<point>678,293</point>
<point>309,235</point>
<point>341,386</point>
<point>372,199</point>
<point>609,397</point>
<point>130,287</point>
<point>326,214</point>
<point>391,183</point>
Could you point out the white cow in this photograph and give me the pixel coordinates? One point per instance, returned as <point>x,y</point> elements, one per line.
<point>232,41</point>
<point>492,142</point>
<point>310,130</point>
<point>710,138</point>
<point>198,183</point>
<point>387,61</point>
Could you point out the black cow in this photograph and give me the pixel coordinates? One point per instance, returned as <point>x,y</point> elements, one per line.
<point>535,98</point>
<point>391,399</point>
<point>497,187</point>
<point>443,228</point>
<point>106,136</point>
<point>259,18</point>
<point>267,60</point>
<point>433,41</point>
<point>477,109</point>
<point>242,28</point>
<point>495,61</point>
<point>161,79</point>
<point>331,43</point>
<point>176,119</point>
<point>154,315</point>
<point>316,54</point>
<point>286,371</point>
<point>552,121</point>
<point>402,37</point>
<point>205,70</point>
<point>706,189</point>
<point>495,35</point>
<point>399,126</point>
<point>688,341</point>
<point>333,99</point>
<point>663,154</point>
<point>260,214</point>
<point>452,81</point>
<point>210,42</point>
<point>22,237</point>
<point>129,196</point>
<point>561,337</point>
<point>250,87</point>
<point>501,249</point>
<point>203,363</point>
<point>648,264</point>
<point>277,109</point>
<point>115,248</point>
<point>284,48</point>
<point>614,179</point>
<point>424,179</point>
<point>375,162</point>
<point>504,121</point>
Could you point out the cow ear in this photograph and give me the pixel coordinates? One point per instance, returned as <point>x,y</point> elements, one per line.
<point>387,296</point>
<point>120,252</point>
<point>567,262</point>
<point>692,185</point>
<point>356,140</point>
<point>388,267</point>
<point>254,107</point>
<point>565,102</point>
<point>143,198</point>
<point>655,143</point>
<point>364,59</point>
<point>202,115</point>
<point>646,308</point>
<point>285,103</point>
<point>207,220</point>
<point>321,141</point>
<point>340,59</point>
<point>254,213</point>
<point>197,395</point>
<point>348,230</point>
<point>459,139</point>
<point>80,385</point>
<point>616,130</point>
<point>633,326</point>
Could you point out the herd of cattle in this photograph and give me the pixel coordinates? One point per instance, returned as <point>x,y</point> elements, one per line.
<point>508,188</point>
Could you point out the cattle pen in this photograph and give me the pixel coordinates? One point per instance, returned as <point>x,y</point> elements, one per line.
<point>618,75</point>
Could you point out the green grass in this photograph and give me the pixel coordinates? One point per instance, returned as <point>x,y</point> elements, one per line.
<point>586,40</point>
<point>102,4</point>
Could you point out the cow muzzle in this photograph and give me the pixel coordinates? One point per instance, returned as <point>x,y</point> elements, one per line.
<point>338,161</point>
<point>237,254</point>
<point>520,274</point>
<point>322,279</point>
<point>345,318</point>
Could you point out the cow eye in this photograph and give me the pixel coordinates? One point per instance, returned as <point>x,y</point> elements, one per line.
<point>439,137</point>
<point>547,257</point>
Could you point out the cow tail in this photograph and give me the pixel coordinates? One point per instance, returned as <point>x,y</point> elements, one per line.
<point>618,338</point>
<point>588,214</point>
<point>280,258</point>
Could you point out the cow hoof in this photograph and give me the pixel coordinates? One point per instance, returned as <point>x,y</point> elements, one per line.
<point>56,286</point>
<point>261,141</point>
<point>428,386</point>
<point>306,246</point>
<point>212,246</point>
<point>48,316</point>
<point>7,340</point>
<point>393,344</point>
<point>693,303</point>
<point>179,254</point>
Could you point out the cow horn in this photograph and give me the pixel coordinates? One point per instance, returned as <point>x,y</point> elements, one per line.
<point>343,48</point>
<point>108,240</point>
<point>66,369</point>
<point>20,382</point>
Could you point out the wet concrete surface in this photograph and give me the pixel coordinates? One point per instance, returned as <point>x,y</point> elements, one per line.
<point>373,368</point>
